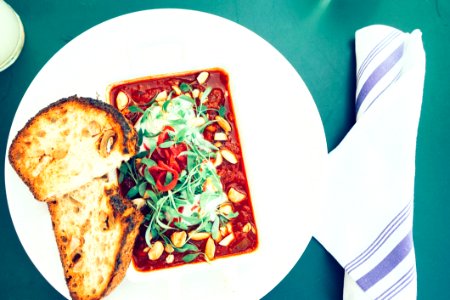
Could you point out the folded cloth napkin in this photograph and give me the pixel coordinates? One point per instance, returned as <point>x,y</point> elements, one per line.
<point>366,216</point>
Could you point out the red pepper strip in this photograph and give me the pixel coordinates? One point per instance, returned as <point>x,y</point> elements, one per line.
<point>173,163</point>
<point>181,161</point>
<point>161,176</point>
<point>164,135</point>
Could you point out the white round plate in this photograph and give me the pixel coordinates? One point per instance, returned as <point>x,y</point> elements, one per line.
<point>281,134</point>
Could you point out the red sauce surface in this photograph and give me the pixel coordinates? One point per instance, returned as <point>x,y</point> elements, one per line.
<point>231,175</point>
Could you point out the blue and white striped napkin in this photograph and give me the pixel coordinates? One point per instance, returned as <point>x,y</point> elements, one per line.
<point>367,214</point>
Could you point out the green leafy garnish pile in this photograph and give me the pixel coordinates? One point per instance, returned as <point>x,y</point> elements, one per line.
<point>173,173</point>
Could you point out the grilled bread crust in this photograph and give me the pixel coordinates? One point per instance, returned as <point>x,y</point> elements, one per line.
<point>67,155</point>
<point>95,229</point>
<point>68,143</point>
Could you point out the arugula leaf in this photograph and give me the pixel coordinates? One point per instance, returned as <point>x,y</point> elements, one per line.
<point>231,215</point>
<point>142,187</point>
<point>205,94</point>
<point>135,109</point>
<point>184,87</point>
<point>222,111</point>
<point>151,194</point>
<point>186,98</point>
<point>180,225</point>
<point>201,109</point>
<point>215,228</point>
<point>123,168</point>
<point>140,137</point>
<point>133,192</point>
<point>190,257</point>
<point>148,162</point>
<point>167,144</point>
<point>187,247</point>
<point>121,177</point>
<point>150,135</point>
<point>148,236</point>
<point>177,122</point>
<point>169,177</point>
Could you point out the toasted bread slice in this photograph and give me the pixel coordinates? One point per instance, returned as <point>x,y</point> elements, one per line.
<point>69,143</point>
<point>95,229</point>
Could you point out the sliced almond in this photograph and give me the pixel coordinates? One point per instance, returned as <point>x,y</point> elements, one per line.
<point>223,123</point>
<point>208,185</point>
<point>227,240</point>
<point>178,238</point>
<point>177,90</point>
<point>218,237</point>
<point>162,96</point>
<point>195,93</point>
<point>223,230</point>
<point>202,77</point>
<point>229,227</point>
<point>122,100</point>
<point>107,142</point>
<point>220,136</point>
<point>170,258</point>
<point>226,208</point>
<point>229,156</point>
<point>218,161</point>
<point>155,251</point>
<point>168,248</point>
<point>210,249</point>
<point>235,196</point>
<point>198,236</point>
<point>197,122</point>
<point>138,202</point>
<point>247,227</point>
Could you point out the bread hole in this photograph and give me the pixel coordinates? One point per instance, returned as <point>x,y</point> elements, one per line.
<point>74,201</point>
<point>43,162</point>
<point>106,223</point>
<point>85,132</point>
<point>94,128</point>
<point>41,133</point>
<point>59,153</point>
<point>76,258</point>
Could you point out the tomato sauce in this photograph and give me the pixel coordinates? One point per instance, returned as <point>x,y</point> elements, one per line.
<point>141,92</point>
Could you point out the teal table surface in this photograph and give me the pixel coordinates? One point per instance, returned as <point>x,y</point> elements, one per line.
<point>317,38</point>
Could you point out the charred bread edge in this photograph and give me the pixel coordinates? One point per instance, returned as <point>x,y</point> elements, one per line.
<point>126,126</point>
<point>130,227</point>
<point>133,222</point>
<point>130,136</point>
